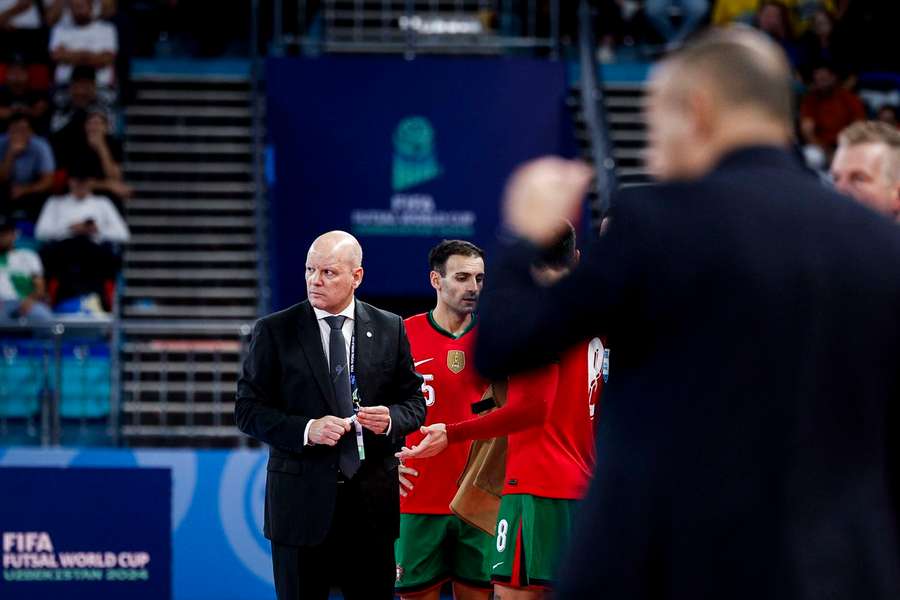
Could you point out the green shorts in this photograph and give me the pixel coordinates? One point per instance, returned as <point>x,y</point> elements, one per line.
<point>433,549</point>
<point>532,533</point>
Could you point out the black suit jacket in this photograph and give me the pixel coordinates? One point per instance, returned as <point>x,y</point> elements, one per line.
<point>285,383</point>
<point>747,435</point>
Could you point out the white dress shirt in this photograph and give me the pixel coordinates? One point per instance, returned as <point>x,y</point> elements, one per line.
<point>325,328</point>
<point>61,212</point>
<point>325,331</point>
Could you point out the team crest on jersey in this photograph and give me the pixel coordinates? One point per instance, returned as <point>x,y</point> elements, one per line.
<point>456,361</point>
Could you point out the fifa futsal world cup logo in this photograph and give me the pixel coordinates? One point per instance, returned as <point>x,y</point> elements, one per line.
<point>414,159</point>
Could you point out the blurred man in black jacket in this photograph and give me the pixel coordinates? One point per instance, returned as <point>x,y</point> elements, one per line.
<point>747,438</point>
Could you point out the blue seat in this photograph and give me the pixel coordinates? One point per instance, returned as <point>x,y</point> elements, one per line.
<point>85,381</point>
<point>23,377</point>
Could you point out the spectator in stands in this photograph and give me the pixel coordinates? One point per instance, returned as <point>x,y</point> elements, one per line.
<point>819,44</point>
<point>887,114</point>
<point>97,154</point>
<point>100,9</point>
<point>774,19</point>
<point>85,42</point>
<point>81,213</point>
<point>104,156</point>
<point>726,12</point>
<point>22,290</point>
<point>611,24</point>
<point>23,31</point>
<point>800,11</point>
<point>659,14</point>
<point>826,109</point>
<point>18,96</point>
<point>26,168</point>
<point>866,166</point>
<point>81,231</point>
<point>803,12</point>
<point>73,104</point>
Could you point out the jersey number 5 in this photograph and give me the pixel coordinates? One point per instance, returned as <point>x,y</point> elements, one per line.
<point>427,390</point>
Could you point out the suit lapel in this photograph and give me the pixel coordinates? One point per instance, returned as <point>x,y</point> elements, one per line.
<point>365,341</point>
<point>311,342</point>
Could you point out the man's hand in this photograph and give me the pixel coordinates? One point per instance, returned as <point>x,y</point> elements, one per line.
<point>543,192</point>
<point>374,418</point>
<point>328,430</point>
<point>404,482</point>
<point>434,442</point>
<point>17,191</point>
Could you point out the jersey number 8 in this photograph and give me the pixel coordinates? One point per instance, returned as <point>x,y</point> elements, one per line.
<point>502,530</point>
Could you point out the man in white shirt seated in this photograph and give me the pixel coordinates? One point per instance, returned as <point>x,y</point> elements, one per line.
<point>22,290</point>
<point>81,230</point>
<point>86,41</point>
<point>81,213</point>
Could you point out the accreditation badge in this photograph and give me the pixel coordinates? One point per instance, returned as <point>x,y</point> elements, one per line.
<point>456,361</point>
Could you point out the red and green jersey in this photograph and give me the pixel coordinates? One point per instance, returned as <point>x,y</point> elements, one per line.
<point>548,418</point>
<point>451,386</point>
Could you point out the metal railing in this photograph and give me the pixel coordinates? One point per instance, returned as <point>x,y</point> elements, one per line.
<point>61,382</point>
<point>414,26</point>
<point>182,384</point>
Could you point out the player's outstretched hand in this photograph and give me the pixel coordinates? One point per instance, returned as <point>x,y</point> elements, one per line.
<point>404,482</point>
<point>434,442</point>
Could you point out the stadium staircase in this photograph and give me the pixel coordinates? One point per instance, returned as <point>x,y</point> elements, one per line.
<point>624,104</point>
<point>191,274</point>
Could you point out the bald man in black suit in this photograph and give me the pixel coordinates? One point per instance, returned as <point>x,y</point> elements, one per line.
<point>321,378</point>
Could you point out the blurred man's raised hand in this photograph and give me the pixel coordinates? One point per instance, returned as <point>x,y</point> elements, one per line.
<point>543,192</point>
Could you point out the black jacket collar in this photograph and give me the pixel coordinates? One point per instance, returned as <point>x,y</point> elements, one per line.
<point>758,156</point>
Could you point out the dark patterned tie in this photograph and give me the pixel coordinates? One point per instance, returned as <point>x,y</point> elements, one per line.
<point>340,381</point>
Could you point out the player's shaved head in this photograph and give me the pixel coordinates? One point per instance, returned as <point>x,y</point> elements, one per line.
<point>339,244</point>
<point>741,66</point>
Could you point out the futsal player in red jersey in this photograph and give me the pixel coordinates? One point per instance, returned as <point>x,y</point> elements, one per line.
<point>550,457</point>
<point>434,545</point>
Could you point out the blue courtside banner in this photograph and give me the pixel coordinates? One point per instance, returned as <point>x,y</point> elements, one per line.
<point>216,508</point>
<point>402,153</point>
<point>85,533</point>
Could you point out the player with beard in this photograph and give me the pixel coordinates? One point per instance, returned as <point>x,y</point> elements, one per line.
<point>548,418</point>
<point>436,546</point>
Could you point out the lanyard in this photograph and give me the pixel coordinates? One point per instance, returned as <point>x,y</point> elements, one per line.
<point>353,392</point>
<point>354,396</point>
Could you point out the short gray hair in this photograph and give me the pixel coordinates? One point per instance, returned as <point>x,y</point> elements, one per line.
<point>876,132</point>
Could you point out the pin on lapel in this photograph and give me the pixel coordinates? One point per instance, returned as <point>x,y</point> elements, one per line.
<point>368,334</point>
